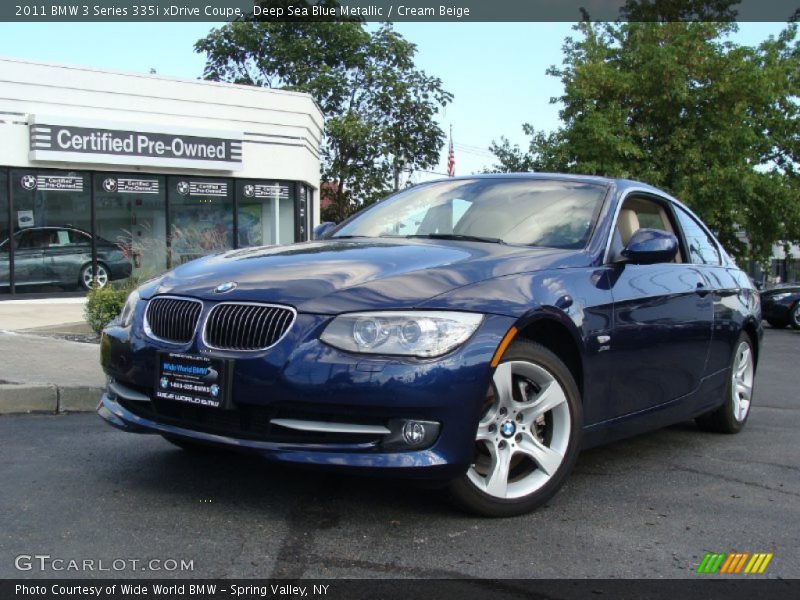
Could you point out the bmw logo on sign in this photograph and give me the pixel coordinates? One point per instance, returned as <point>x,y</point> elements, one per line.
<point>28,182</point>
<point>224,288</point>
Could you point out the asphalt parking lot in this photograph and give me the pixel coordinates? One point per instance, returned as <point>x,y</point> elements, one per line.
<point>73,488</point>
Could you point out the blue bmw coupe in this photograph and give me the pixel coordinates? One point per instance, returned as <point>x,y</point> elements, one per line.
<point>474,331</point>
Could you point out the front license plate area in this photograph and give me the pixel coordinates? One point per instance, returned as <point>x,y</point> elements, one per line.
<point>193,379</point>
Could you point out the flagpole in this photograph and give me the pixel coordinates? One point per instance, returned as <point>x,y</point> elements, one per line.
<point>451,157</point>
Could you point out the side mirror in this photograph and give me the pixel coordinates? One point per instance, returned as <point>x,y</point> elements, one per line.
<point>321,229</point>
<point>649,246</point>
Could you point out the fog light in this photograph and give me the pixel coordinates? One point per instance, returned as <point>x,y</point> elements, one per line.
<point>408,434</point>
<point>413,433</point>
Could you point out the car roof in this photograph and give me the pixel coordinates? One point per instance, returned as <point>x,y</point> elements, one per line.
<point>60,227</point>
<point>620,183</point>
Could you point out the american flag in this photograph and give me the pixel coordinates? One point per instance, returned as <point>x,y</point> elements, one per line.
<point>451,157</point>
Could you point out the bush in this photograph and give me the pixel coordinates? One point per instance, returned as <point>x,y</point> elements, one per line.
<point>103,305</point>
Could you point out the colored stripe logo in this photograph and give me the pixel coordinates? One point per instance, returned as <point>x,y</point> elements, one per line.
<point>734,563</point>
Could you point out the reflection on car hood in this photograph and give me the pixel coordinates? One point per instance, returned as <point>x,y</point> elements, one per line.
<point>332,276</point>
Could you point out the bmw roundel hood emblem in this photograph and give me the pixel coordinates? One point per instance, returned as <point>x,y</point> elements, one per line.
<point>226,287</point>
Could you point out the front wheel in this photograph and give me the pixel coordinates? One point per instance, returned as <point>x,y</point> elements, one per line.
<point>86,279</point>
<point>732,415</point>
<point>528,437</point>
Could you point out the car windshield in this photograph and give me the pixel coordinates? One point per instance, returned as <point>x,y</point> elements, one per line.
<point>536,212</point>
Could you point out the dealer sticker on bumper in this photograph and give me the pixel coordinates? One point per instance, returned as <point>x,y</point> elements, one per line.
<point>192,379</point>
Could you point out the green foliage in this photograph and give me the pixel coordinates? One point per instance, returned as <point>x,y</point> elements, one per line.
<point>679,106</point>
<point>105,304</point>
<point>379,108</point>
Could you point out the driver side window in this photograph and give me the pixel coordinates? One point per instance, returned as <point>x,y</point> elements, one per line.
<point>639,213</point>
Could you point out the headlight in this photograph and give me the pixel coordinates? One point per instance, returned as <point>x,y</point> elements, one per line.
<point>779,297</point>
<point>126,316</point>
<point>418,333</point>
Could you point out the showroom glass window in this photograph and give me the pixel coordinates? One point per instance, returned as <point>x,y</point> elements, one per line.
<point>46,205</point>
<point>131,213</point>
<point>4,233</point>
<point>702,249</point>
<point>200,217</point>
<point>266,212</point>
<point>302,212</point>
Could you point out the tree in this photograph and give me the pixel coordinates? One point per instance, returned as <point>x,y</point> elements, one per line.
<point>379,108</point>
<point>679,106</point>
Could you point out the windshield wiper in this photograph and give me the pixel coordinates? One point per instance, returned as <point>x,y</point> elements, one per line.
<point>458,236</point>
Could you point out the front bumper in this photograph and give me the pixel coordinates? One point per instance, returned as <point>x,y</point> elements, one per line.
<point>304,378</point>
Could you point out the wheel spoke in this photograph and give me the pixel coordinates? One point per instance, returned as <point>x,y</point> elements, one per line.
<point>743,407</point>
<point>743,390</point>
<point>484,434</point>
<point>548,398</point>
<point>497,479</point>
<point>490,416</point>
<point>546,458</point>
<point>744,362</point>
<point>503,383</point>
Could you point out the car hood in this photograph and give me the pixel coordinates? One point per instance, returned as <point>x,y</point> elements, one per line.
<point>333,276</point>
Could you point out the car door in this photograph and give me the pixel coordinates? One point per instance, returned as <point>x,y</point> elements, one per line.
<point>704,253</point>
<point>5,276</point>
<point>28,253</point>
<point>663,316</point>
<point>67,252</point>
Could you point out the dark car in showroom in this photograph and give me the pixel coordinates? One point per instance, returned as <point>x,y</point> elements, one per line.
<point>62,256</point>
<point>475,332</point>
<point>780,306</point>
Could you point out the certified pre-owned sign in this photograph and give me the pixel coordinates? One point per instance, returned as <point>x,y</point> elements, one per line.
<point>53,139</point>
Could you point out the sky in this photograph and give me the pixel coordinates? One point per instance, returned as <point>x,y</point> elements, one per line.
<point>496,71</point>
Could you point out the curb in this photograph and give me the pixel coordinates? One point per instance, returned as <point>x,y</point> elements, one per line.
<point>47,398</point>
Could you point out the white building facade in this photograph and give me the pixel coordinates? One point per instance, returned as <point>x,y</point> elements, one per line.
<point>96,163</point>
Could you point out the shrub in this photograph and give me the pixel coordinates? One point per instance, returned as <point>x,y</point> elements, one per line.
<point>103,305</point>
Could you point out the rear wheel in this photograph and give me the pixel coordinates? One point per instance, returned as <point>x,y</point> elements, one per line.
<point>528,437</point>
<point>795,319</point>
<point>87,279</point>
<point>732,415</point>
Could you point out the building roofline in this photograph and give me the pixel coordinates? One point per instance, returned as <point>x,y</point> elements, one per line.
<point>166,78</point>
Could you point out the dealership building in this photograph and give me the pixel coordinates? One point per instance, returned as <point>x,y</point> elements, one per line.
<point>162,170</point>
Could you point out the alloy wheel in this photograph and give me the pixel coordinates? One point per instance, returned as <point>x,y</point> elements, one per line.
<point>796,316</point>
<point>101,279</point>
<point>742,385</point>
<point>524,434</point>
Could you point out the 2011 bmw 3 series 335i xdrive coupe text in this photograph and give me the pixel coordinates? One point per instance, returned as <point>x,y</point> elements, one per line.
<point>475,331</point>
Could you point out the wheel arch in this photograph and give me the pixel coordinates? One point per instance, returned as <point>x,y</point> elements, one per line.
<point>553,330</point>
<point>751,329</point>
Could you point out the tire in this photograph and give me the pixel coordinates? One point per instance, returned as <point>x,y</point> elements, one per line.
<point>732,415</point>
<point>85,277</point>
<point>776,324</point>
<point>523,454</point>
<point>794,320</point>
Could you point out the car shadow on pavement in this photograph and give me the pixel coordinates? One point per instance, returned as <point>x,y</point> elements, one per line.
<point>222,477</point>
